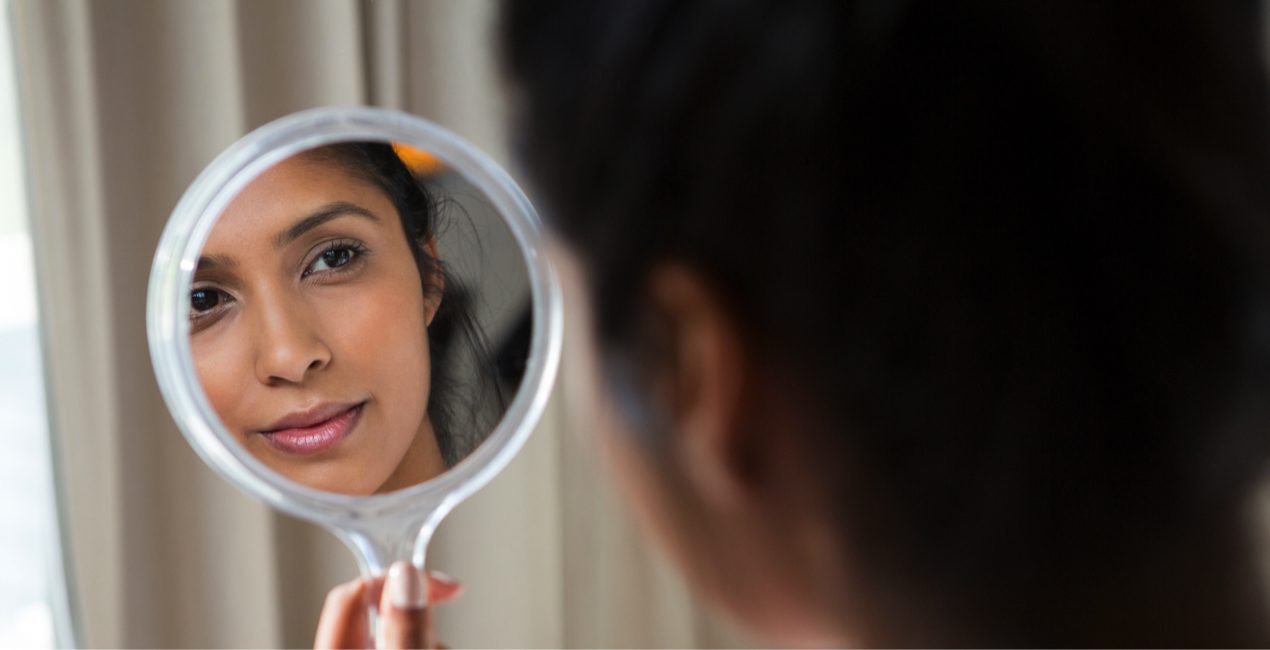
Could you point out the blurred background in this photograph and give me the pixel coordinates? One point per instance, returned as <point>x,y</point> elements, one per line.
<point>114,533</point>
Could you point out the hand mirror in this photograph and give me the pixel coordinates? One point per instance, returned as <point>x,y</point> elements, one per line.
<point>350,319</point>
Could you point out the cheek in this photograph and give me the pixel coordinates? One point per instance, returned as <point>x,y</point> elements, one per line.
<point>379,342</point>
<point>592,416</point>
<point>223,363</point>
<point>588,409</point>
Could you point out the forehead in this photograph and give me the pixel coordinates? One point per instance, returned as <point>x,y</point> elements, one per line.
<point>287,193</point>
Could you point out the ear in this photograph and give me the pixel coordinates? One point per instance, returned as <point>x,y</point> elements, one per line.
<point>701,377</point>
<point>434,287</point>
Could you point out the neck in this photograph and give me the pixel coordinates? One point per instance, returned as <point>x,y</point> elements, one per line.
<point>421,461</point>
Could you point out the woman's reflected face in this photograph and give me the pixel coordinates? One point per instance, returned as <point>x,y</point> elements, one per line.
<point>308,323</point>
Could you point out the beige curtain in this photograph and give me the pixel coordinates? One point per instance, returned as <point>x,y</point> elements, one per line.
<point>124,102</point>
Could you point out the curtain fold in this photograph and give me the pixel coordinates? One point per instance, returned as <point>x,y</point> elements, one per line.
<point>57,105</point>
<point>124,103</point>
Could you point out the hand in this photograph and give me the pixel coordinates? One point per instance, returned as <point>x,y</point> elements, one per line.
<point>404,616</point>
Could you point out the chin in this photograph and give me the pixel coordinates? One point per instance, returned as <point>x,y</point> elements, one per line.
<point>349,483</point>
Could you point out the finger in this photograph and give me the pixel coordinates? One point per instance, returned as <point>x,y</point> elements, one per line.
<point>344,623</point>
<point>403,611</point>
<point>441,588</point>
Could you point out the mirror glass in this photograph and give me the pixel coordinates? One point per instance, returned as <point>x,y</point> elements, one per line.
<point>359,317</point>
<point>351,319</point>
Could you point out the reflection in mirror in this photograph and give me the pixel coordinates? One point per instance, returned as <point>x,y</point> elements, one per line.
<point>359,317</point>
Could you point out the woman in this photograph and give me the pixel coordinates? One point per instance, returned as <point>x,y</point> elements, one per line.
<point>313,316</point>
<point>926,322</point>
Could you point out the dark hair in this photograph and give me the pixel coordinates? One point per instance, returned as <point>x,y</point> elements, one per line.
<point>1017,254</point>
<point>465,398</point>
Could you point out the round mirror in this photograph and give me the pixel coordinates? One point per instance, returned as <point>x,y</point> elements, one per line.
<point>350,319</point>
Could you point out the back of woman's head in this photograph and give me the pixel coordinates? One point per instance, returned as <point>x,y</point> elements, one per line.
<point>1016,254</point>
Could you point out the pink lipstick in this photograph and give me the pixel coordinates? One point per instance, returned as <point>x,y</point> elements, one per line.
<point>315,430</point>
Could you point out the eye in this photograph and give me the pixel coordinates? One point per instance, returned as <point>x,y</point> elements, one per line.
<point>332,259</point>
<point>204,300</point>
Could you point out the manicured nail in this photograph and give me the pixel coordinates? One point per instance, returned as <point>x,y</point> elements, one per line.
<point>442,577</point>
<point>405,586</point>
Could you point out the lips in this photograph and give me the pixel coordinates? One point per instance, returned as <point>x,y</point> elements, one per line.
<point>314,430</point>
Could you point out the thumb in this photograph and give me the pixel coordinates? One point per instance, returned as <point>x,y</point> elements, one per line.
<point>404,619</point>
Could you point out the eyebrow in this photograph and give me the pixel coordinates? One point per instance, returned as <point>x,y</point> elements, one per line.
<point>215,261</point>
<point>322,215</point>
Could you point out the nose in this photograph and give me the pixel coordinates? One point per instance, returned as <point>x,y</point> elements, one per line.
<point>289,346</point>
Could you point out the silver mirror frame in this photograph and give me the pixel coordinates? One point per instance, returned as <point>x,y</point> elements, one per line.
<point>378,528</point>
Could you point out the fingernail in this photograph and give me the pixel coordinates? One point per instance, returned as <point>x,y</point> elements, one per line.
<point>405,586</point>
<point>442,577</point>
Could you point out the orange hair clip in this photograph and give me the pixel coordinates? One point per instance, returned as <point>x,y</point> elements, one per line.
<point>419,161</point>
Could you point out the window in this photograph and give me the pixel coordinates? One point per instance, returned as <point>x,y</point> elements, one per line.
<point>33,603</point>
